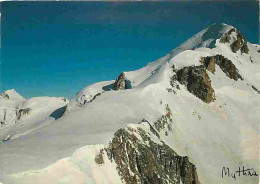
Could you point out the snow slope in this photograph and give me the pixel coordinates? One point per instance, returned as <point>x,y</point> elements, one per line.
<point>223,133</point>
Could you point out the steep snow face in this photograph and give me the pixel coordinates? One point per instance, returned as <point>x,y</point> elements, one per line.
<point>222,133</point>
<point>28,115</point>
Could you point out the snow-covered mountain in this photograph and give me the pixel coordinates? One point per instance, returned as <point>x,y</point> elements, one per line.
<point>20,116</point>
<point>180,119</point>
<point>9,101</point>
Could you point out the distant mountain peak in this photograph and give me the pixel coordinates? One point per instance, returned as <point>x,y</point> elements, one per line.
<point>236,39</point>
<point>12,95</point>
<point>205,38</point>
<point>210,37</point>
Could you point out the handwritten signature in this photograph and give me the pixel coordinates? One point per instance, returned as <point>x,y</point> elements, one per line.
<point>242,171</point>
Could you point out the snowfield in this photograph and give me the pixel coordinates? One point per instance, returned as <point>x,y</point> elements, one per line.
<point>58,140</point>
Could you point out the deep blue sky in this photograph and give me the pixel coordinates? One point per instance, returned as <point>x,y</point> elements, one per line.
<point>58,48</point>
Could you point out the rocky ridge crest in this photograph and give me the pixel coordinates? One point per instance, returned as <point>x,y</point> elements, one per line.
<point>142,157</point>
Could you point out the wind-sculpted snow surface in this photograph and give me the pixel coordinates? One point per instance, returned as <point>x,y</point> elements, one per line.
<point>199,112</point>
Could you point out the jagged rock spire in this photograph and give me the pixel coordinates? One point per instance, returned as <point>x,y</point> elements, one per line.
<point>120,83</point>
<point>240,42</point>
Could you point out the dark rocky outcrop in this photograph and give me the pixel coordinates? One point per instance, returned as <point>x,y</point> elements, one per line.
<point>226,37</point>
<point>122,83</point>
<point>165,122</point>
<point>197,81</point>
<point>173,80</point>
<point>99,158</point>
<point>254,88</point>
<point>94,97</point>
<point>4,95</point>
<point>225,64</point>
<point>140,159</point>
<point>23,112</point>
<point>209,63</point>
<point>2,123</point>
<point>240,42</point>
